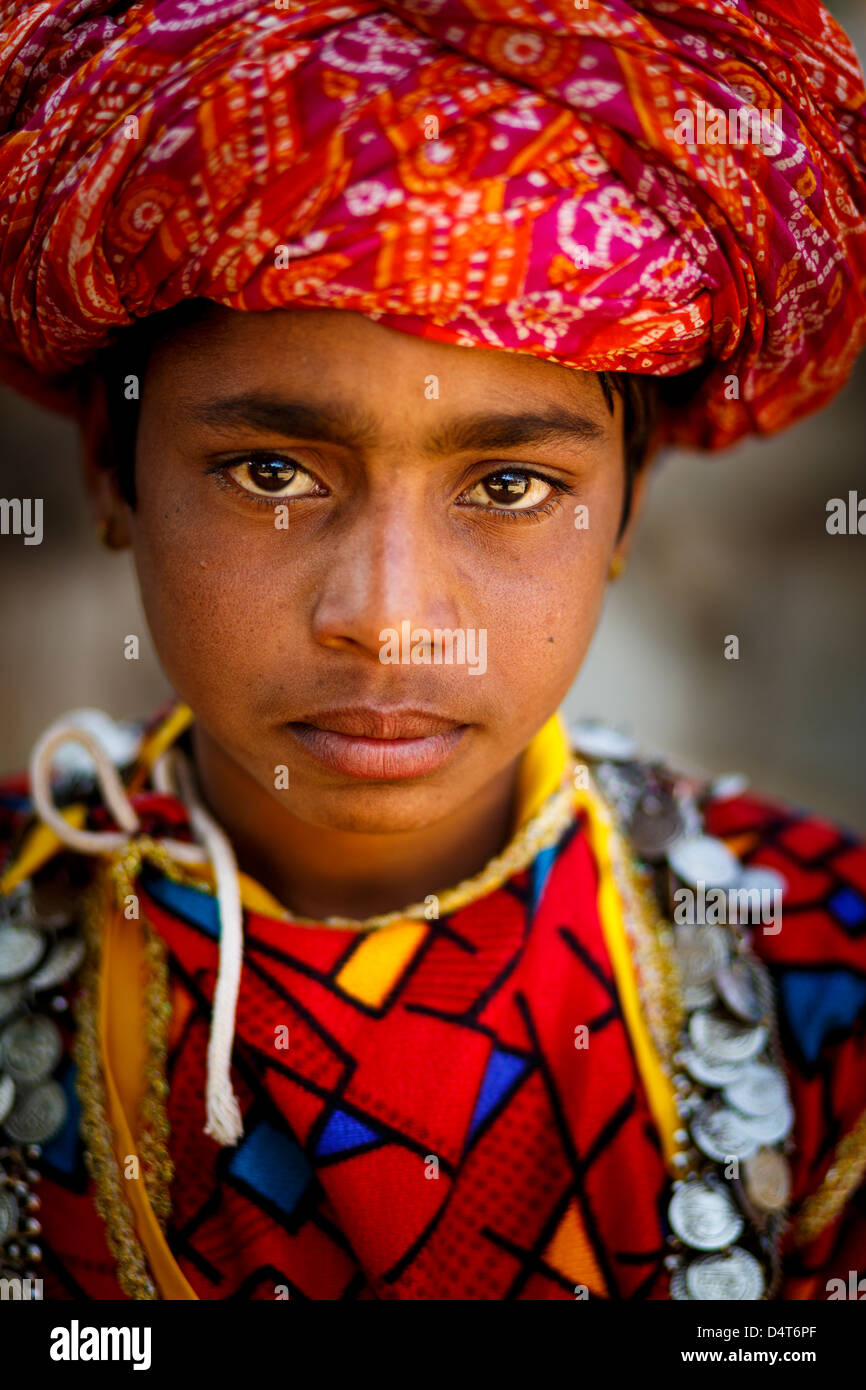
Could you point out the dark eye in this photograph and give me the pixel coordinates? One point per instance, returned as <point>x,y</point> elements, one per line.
<point>512,488</point>
<point>274,476</point>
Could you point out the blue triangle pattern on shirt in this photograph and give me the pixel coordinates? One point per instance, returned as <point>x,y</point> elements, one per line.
<point>502,1074</point>
<point>541,867</point>
<point>848,907</point>
<point>193,905</point>
<point>343,1132</point>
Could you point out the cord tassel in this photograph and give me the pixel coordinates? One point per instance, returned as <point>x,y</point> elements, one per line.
<point>224,1121</point>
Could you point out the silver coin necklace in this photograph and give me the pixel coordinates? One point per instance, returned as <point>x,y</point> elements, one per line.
<point>728,1208</point>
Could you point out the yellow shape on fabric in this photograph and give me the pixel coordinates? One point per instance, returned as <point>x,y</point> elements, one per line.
<point>741,845</point>
<point>378,961</point>
<point>40,846</point>
<point>570,1253</point>
<point>42,843</point>
<point>257,898</point>
<point>254,896</point>
<point>160,738</point>
<point>541,769</point>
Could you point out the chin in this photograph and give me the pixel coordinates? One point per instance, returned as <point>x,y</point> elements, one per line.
<point>370,810</point>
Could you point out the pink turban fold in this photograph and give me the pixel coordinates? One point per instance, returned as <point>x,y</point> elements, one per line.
<point>524,175</point>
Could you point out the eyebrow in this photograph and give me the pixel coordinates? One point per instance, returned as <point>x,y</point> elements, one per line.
<point>552,425</point>
<point>356,429</point>
<point>333,423</point>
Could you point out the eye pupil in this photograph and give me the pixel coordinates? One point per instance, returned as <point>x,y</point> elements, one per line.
<point>507,486</point>
<point>271,474</point>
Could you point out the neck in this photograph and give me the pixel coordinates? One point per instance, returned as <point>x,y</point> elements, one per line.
<point>320,873</point>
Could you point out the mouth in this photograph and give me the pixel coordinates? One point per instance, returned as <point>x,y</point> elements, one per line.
<point>377,744</point>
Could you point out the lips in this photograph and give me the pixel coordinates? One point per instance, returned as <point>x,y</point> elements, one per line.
<point>370,721</point>
<point>378,744</point>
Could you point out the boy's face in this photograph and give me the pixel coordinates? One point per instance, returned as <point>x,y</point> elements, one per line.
<point>317,495</point>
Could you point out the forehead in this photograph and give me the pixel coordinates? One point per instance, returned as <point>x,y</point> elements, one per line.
<point>334,354</point>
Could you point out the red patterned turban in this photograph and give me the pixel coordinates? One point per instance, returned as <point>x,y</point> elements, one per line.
<point>581,180</point>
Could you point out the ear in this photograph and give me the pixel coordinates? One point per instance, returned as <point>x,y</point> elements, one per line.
<point>98,465</point>
<point>638,494</point>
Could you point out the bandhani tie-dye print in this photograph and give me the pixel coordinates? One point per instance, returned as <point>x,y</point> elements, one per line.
<point>509,174</point>
<point>454,1040</point>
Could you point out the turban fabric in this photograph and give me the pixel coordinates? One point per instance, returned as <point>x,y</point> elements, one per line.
<point>508,174</point>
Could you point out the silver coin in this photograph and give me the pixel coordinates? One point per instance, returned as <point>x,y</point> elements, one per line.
<point>10,998</point>
<point>20,949</point>
<point>7,1096</point>
<point>739,987</point>
<point>704,1216</point>
<point>655,824</point>
<point>728,784</point>
<point>38,1115</point>
<point>9,1215</point>
<point>703,859</point>
<point>601,743</point>
<point>772,1128</point>
<point>761,876</point>
<point>721,1134</point>
<point>679,1292</point>
<point>767,1180</point>
<point>699,997</point>
<point>722,1039</point>
<point>733,1275</point>
<point>757,1090</point>
<point>700,952</point>
<point>30,1048</point>
<point>62,961</point>
<point>706,1072</point>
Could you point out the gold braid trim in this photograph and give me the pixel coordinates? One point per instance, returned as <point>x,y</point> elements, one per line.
<point>650,939</point>
<point>100,1158</point>
<point>840,1182</point>
<point>152,1140</point>
<point>153,1118</point>
<point>543,830</point>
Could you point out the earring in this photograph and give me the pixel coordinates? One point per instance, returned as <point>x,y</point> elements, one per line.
<point>617,568</point>
<point>105,533</point>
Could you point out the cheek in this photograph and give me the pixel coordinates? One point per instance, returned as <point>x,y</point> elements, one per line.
<point>216,609</point>
<point>543,613</point>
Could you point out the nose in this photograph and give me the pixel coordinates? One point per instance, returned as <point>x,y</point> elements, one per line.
<point>386,566</point>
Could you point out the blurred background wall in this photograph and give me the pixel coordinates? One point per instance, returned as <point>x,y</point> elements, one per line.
<point>730,544</point>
